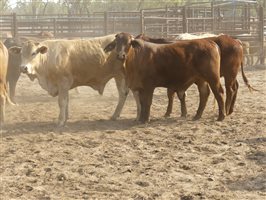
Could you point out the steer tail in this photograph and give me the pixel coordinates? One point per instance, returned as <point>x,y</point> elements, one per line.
<point>246,80</point>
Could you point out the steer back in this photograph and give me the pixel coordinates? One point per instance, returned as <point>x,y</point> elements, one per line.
<point>154,40</point>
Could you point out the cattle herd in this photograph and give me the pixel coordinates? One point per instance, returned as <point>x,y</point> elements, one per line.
<point>139,64</point>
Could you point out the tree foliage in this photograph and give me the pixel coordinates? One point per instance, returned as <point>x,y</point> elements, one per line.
<point>3,5</point>
<point>77,7</point>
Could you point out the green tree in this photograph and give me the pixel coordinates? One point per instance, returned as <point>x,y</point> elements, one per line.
<point>37,7</point>
<point>77,7</point>
<point>4,5</point>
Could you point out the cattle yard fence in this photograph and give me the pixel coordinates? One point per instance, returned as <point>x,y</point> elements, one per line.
<point>245,21</point>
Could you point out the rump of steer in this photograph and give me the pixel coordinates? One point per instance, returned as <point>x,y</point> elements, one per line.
<point>3,71</point>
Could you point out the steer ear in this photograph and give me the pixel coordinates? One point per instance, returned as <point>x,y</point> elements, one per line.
<point>14,50</point>
<point>42,50</point>
<point>110,47</point>
<point>136,43</point>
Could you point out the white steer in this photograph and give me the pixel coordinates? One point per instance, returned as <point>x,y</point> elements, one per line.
<point>60,65</point>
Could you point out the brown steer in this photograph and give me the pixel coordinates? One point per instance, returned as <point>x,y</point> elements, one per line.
<point>231,62</point>
<point>176,66</point>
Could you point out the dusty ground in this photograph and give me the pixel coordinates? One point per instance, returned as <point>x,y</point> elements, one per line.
<point>95,158</point>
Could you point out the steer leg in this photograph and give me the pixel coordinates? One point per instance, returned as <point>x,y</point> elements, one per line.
<point>231,86</point>
<point>2,109</point>
<point>122,93</point>
<point>145,97</point>
<point>218,92</point>
<point>182,97</point>
<point>204,92</point>
<point>235,89</point>
<point>63,99</point>
<point>229,95</point>
<point>136,96</point>
<point>12,89</point>
<point>170,95</point>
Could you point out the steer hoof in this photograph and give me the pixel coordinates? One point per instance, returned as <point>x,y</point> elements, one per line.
<point>221,118</point>
<point>184,115</point>
<point>196,117</point>
<point>166,115</point>
<point>137,119</point>
<point>144,121</point>
<point>113,118</point>
<point>60,129</point>
<point>13,104</point>
<point>60,124</point>
<point>230,112</point>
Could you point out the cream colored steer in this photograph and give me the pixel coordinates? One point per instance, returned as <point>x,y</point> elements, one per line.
<point>60,65</point>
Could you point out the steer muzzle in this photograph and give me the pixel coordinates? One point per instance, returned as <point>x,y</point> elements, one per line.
<point>24,68</point>
<point>121,56</point>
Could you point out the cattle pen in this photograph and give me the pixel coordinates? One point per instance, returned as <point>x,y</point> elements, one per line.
<point>244,20</point>
<point>80,85</point>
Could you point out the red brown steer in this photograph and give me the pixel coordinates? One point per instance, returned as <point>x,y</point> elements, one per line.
<point>231,62</point>
<point>176,66</point>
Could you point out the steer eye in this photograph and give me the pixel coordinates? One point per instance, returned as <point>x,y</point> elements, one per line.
<point>34,53</point>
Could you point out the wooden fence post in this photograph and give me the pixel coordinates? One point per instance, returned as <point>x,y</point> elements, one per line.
<point>213,17</point>
<point>54,26</point>
<point>185,28</point>
<point>261,34</point>
<point>114,23</point>
<point>166,22</point>
<point>105,22</point>
<point>246,18</point>
<point>142,21</point>
<point>14,25</point>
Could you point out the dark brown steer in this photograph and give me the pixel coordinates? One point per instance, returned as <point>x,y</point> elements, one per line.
<point>231,62</point>
<point>176,66</point>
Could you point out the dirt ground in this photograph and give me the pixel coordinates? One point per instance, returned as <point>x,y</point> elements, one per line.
<point>96,158</point>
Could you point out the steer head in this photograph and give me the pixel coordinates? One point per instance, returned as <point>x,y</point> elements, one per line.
<point>29,52</point>
<point>122,44</point>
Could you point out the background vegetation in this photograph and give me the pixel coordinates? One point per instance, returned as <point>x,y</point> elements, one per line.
<point>71,7</point>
